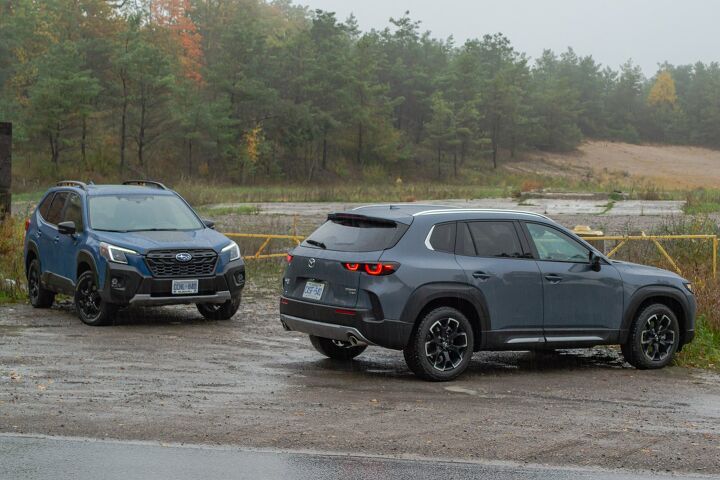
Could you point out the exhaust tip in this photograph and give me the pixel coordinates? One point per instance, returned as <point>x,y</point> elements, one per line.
<point>353,340</point>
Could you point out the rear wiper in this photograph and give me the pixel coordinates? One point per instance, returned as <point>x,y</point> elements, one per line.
<point>316,243</point>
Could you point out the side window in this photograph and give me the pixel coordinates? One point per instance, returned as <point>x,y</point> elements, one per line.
<point>44,207</point>
<point>73,211</point>
<point>554,245</point>
<point>495,239</point>
<point>464,245</point>
<point>443,237</point>
<point>56,208</point>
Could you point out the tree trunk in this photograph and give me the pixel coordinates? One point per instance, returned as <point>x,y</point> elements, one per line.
<point>123,125</point>
<point>189,158</point>
<point>5,169</point>
<point>141,132</point>
<point>324,152</point>
<point>83,141</point>
<point>455,163</point>
<point>359,159</point>
<point>439,159</point>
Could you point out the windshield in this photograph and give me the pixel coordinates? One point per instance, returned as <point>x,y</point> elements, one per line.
<point>140,212</point>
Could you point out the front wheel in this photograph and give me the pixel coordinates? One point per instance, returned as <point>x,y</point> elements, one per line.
<point>653,339</point>
<point>90,306</point>
<point>336,349</point>
<point>441,345</point>
<point>219,311</point>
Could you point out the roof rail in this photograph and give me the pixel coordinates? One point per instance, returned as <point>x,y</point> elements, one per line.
<point>71,183</point>
<point>146,183</point>
<point>478,210</point>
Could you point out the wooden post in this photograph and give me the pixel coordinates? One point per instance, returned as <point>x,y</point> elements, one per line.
<point>5,169</point>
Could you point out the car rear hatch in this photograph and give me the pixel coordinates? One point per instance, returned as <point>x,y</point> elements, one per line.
<point>318,272</point>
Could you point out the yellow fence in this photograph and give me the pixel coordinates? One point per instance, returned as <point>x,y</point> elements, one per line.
<point>267,238</point>
<point>656,239</point>
<point>621,239</point>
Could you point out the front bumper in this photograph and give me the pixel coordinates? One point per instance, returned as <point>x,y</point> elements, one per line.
<point>125,285</point>
<point>340,323</point>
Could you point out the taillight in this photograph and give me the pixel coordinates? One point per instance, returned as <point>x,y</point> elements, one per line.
<point>27,224</point>
<point>374,269</point>
<point>289,258</point>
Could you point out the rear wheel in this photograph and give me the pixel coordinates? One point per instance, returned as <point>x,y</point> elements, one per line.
<point>40,297</point>
<point>336,349</point>
<point>653,339</point>
<point>90,306</point>
<point>441,346</point>
<point>219,311</point>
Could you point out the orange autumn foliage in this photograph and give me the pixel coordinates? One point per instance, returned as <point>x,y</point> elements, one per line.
<point>175,16</point>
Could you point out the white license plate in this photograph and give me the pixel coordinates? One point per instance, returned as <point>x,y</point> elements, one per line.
<point>313,290</point>
<point>184,287</point>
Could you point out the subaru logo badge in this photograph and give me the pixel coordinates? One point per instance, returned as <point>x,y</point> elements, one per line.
<point>311,263</point>
<point>183,257</point>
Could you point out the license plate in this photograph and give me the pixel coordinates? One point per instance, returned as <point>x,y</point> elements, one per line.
<point>313,290</point>
<point>184,287</point>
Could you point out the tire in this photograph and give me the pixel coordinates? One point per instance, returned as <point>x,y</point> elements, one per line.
<point>40,297</point>
<point>89,305</point>
<point>451,334</point>
<point>653,338</point>
<point>336,349</point>
<point>219,311</point>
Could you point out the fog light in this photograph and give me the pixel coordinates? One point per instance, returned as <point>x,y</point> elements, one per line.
<point>117,282</point>
<point>239,278</point>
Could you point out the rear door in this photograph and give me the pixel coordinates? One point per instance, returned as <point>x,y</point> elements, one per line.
<point>50,255</point>
<point>326,268</point>
<point>495,260</point>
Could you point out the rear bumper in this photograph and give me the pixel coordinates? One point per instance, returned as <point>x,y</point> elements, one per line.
<point>324,330</point>
<point>133,288</point>
<point>340,323</point>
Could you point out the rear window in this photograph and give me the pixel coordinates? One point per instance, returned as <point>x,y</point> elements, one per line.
<point>44,207</point>
<point>356,235</point>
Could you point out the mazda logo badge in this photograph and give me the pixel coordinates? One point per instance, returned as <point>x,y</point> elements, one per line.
<point>311,263</point>
<point>183,257</point>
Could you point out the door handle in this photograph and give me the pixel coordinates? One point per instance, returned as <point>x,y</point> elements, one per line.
<point>552,278</point>
<point>481,275</point>
<point>57,239</point>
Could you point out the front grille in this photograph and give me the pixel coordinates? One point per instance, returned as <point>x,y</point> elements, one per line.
<point>162,263</point>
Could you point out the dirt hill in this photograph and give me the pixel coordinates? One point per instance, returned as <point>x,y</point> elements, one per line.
<point>669,167</point>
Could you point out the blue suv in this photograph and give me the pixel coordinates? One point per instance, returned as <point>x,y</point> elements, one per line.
<point>441,283</point>
<point>133,244</point>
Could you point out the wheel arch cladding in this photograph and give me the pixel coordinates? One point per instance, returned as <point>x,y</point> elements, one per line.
<point>468,300</point>
<point>32,254</point>
<point>668,296</point>
<point>85,262</point>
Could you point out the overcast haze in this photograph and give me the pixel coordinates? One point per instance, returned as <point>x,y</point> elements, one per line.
<point>612,31</point>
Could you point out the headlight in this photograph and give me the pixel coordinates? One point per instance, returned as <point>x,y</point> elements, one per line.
<point>689,287</point>
<point>115,254</point>
<point>233,249</point>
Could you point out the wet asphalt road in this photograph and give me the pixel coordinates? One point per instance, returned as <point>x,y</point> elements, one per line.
<point>43,458</point>
<point>167,375</point>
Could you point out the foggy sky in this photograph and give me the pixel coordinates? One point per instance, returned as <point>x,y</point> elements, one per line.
<point>612,31</point>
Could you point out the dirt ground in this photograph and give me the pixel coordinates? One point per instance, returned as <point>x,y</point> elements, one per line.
<point>673,167</point>
<point>166,374</point>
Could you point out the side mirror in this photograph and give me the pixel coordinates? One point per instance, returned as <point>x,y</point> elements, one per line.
<point>67,228</point>
<point>208,223</point>
<point>595,264</point>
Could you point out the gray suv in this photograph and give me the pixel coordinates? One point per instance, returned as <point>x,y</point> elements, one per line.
<point>441,283</point>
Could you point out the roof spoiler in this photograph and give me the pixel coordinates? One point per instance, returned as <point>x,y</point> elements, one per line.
<point>71,183</point>
<point>146,183</point>
<point>364,218</point>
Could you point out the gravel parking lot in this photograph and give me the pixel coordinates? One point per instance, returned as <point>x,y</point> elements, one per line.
<point>166,374</point>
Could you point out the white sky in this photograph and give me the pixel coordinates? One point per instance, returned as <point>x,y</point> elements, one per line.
<point>612,31</point>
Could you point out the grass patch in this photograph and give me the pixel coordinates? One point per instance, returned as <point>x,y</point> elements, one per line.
<point>607,207</point>
<point>12,271</point>
<point>702,201</point>
<point>704,350</point>
<point>207,211</point>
